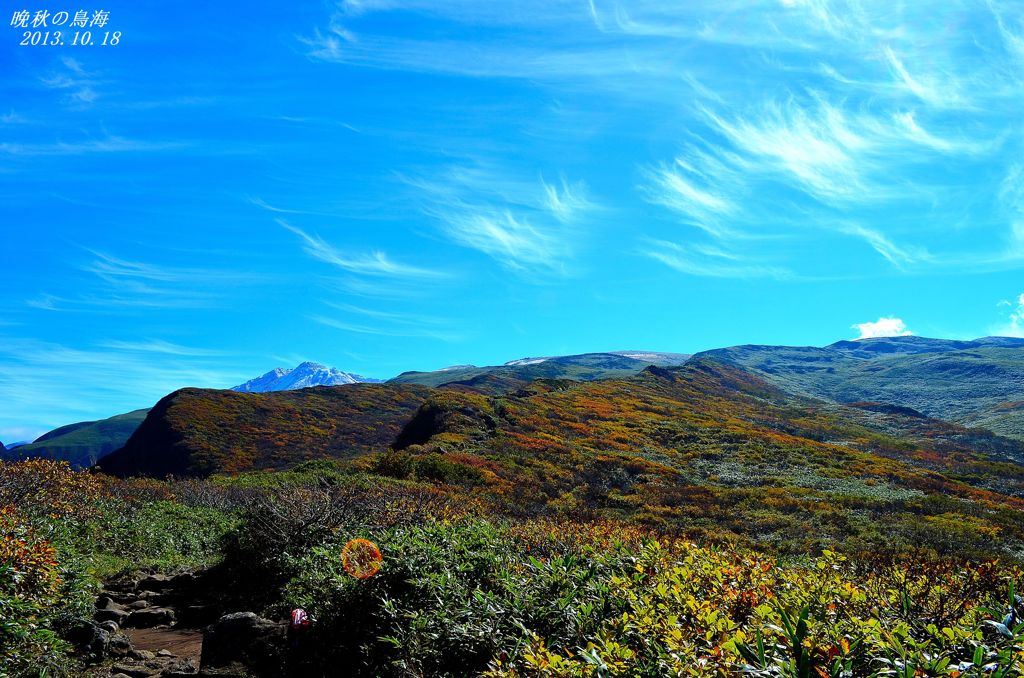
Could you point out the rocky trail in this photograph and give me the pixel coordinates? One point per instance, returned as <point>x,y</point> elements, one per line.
<point>161,625</point>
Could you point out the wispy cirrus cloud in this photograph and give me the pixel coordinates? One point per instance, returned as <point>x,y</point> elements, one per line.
<point>897,255</point>
<point>80,86</point>
<point>699,197</point>
<point>566,201</point>
<point>513,242</point>
<point>160,347</point>
<point>116,285</point>
<point>935,93</point>
<point>374,263</point>
<point>379,279</point>
<point>384,330</point>
<point>12,117</point>
<point>705,261</point>
<point>525,226</point>
<point>109,144</point>
<point>842,161</point>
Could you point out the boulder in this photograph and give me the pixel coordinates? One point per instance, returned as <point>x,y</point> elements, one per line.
<point>106,602</point>
<point>119,646</point>
<point>134,670</point>
<point>118,616</point>
<point>90,638</point>
<point>244,644</point>
<point>110,627</point>
<point>150,617</point>
<point>156,583</point>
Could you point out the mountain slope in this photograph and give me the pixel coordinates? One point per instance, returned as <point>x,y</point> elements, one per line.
<point>304,375</point>
<point>516,374</point>
<point>202,431</point>
<point>976,383</point>
<point>709,446</point>
<point>83,443</point>
<point>703,447</point>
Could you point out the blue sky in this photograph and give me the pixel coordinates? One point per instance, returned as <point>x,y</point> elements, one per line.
<point>386,185</point>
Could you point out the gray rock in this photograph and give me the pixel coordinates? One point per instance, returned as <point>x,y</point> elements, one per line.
<point>111,615</point>
<point>139,605</point>
<point>89,637</point>
<point>155,582</point>
<point>149,617</point>
<point>110,627</point>
<point>142,655</point>
<point>119,646</point>
<point>105,602</point>
<point>134,670</point>
<point>180,668</point>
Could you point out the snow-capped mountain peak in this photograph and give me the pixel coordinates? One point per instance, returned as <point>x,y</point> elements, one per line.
<point>304,375</point>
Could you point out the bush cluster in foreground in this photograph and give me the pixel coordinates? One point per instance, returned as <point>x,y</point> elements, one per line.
<point>463,592</point>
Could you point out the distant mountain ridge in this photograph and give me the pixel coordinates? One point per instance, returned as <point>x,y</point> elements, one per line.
<point>977,383</point>
<point>305,375</point>
<point>650,357</point>
<point>81,444</point>
<point>516,374</point>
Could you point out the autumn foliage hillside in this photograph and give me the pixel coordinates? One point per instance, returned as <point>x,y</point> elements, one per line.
<point>708,450</point>
<point>197,432</point>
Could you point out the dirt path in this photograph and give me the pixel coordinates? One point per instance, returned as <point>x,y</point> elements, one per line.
<point>185,643</point>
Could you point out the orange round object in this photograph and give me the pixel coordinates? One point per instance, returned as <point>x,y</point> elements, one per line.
<point>361,558</point>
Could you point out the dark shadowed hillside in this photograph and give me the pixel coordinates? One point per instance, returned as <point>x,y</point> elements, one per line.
<point>202,431</point>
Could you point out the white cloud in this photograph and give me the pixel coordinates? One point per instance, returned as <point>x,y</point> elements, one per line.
<point>515,243</point>
<point>374,263</point>
<point>117,285</point>
<point>710,262</point>
<point>896,255</point>
<point>523,227</point>
<point>822,150</point>
<point>160,346</point>
<point>567,202</point>
<point>385,331</point>
<point>110,144</point>
<point>1014,326</point>
<point>839,110</point>
<point>883,327</point>
<point>687,191</point>
<point>933,93</point>
<point>78,84</point>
